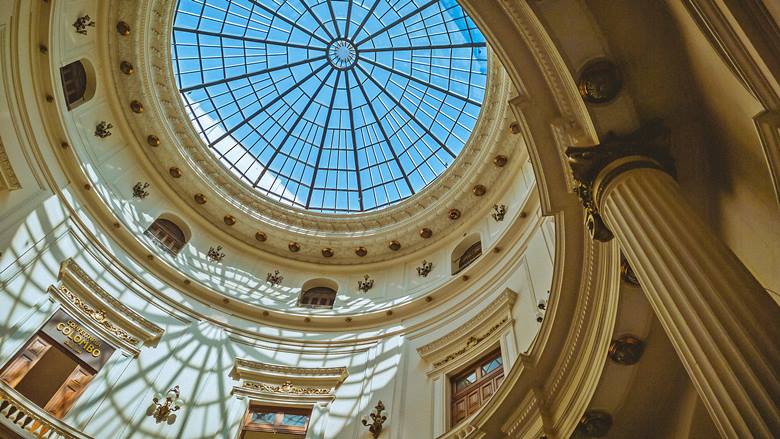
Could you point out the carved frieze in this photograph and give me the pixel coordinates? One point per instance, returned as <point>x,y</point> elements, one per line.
<point>288,382</point>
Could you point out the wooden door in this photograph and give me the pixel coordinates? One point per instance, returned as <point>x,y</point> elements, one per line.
<point>25,360</point>
<point>70,390</point>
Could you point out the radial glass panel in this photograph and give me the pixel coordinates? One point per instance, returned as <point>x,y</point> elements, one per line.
<point>331,105</point>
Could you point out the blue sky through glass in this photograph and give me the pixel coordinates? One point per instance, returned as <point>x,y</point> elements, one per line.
<point>335,106</point>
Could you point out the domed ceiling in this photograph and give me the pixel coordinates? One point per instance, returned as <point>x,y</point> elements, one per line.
<point>331,106</point>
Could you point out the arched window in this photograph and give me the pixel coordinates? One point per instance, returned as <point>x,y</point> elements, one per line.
<point>169,236</point>
<point>74,83</point>
<point>318,297</point>
<point>466,252</point>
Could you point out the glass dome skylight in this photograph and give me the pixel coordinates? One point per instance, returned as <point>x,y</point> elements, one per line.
<point>331,105</point>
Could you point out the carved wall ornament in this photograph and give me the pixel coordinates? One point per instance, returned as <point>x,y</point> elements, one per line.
<point>215,254</point>
<point>8,179</point>
<point>366,284</point>
<point>499,211</point>
<point>600,82</point>
<point>361,251</point>
<point>153,140</point>
<point>136,107</point>
<point>377,420</point>
<point>261,236</point>
<point>123,28</point>
<point>327,252</point>
<point>175,172</point>
<point>126,68</point>
<point>471,342</point>
<point>287,388</point>
<point>274,278</point>
<point>649,146</point>
<point>199,198</point>
<point>500,160</point>
<point>82,23</point>
<point>294,247</point>
<point>426,233</point>
<point>103,129</point>
<point>425,269</point>
<point>453,214</point>
<point>514,128</point>
<point>98,316</point>
<point>627,273</point>
<point>140,190</point>
<point>594,423</point>
<point>626,350</point>
<point>229,220</point>
<point>479,190</point>
<point>394,245</point>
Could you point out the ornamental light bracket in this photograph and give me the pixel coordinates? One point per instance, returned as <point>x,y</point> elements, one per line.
<point>377,420</point>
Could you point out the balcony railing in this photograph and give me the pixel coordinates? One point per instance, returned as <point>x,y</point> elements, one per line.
<point>25,419</point>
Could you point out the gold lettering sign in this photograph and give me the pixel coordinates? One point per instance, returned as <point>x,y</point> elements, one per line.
<point>81,341</point>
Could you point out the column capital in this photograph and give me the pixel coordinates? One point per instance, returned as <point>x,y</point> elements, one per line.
<point>593,167</point>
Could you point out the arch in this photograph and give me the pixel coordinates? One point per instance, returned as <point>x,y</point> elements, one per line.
<point>465,253</point>
<point>78,82</point>
<point>168,234</point>
<point>318,293</point>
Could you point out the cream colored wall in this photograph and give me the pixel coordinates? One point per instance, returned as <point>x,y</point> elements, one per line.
<point>673,73</point>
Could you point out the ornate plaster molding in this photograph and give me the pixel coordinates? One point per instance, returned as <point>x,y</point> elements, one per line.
<point>265,380</point>
<point>8,179</point>
<point>484,326</point>
<point>85,298</point>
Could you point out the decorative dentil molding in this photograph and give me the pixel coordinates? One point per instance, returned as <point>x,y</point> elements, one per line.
<point>8,179</point>
<point>264,380</point>
<point>467,337</point>
<point>86,299</point>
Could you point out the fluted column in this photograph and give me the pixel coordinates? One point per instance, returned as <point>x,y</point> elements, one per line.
<point>722,323</point>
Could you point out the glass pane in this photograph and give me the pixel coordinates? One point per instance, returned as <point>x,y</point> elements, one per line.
<point>491,366</point>
<point>295,420</point>
<point>466,381</point>
<point>263,418</point>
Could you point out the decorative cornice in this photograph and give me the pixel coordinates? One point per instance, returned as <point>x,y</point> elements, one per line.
<point>243,368</point>
<point>287,388</point>
<point>470,343</point>
<point>264,380</point>
<point>8,179</point>
<point>84,296</point>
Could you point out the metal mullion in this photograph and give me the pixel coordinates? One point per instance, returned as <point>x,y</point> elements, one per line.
<point>300,116</point>
<point>324,133</point>
<point>333,15</point>
<point>317,19</point>
<point>349,18</point>
<point>387,138</point>
<point>288,21</point>
<point>352,131</point>
<point>428,47</point>
<point>365,19</point>
<point>396,22</point>
<point>249,75</point>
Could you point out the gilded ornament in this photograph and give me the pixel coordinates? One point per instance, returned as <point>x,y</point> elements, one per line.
<point>361,251</point>
<point>287,388</point>
<point>229,220</point>
<point>453,214</point>
<point>394,245</point>
<point>626,350</point>
<point>425,269</point>
<point>153,140</point>
<point>82,23</point>
<point>294,247</point>
<point>200,198</point>
<point>274,278</point>
<point>163,407</point>
<point>327,252</point>
<point>126,68</point>
<point>123,28</point>
<point>377,420</point>
<point>500,160</point>
<point>594,423</point>
<point>215,254</point>
<point>499,211</point>
<point>98,315</point>
<point>140,190</point>
<point>479,190</point>
<point>366,284</point>
<point>137,107</point>
<point>175,172</point>
<point>261,236</point>
<point>514,128</point>
<point>599,82</point>
<point>426,233</point>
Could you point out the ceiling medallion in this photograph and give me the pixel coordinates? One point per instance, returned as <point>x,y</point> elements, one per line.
<point>126,68</point>
<point>599,82</point>
<point>500,160</point>
<point>394,245</point>
<point>123,28</point>
<point>594,423</point>
<point>327,252</point>
<point>153,140</point>
<point>294,247</point>
<point>229,220</point>
<point>175,172</point>
<point>626,350</point>
<point>426,233</point>
<point>260,236</point>
<point>479,190</point>
<point>200,198</point>
<point>137,107</point>
<point>453,214</point>
<point>361,251</point>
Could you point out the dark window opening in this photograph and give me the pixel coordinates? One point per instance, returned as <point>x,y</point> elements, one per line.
<point>167,235</point>
<point>74,83</point>
<point>318,297</point>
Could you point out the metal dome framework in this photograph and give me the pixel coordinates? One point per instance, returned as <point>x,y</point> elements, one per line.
<point>332,106</point>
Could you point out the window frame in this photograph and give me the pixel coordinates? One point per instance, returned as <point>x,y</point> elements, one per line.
<point>495,377</point>
<point>279,411</point>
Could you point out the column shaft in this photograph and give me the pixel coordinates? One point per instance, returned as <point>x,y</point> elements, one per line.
<point>721,322</point>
